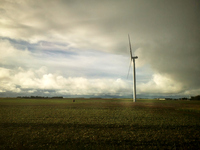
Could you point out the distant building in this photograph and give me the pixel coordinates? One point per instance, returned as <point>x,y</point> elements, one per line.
<point>161,99</point>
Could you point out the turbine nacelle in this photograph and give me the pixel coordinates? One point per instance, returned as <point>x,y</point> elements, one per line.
<point>134,57</point>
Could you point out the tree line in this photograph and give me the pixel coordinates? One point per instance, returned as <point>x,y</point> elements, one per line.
<point>38,97</point>
<point>195,97</point>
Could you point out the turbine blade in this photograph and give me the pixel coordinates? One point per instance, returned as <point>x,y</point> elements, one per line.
<point>129,69</point>
<point>130,46</point>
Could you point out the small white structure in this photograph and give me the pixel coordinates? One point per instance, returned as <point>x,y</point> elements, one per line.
<point>162,99</point>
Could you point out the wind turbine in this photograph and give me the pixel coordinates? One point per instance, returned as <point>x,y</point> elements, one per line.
<point>134,76</point>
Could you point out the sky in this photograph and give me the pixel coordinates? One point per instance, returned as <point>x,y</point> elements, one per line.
<point>79,48</point>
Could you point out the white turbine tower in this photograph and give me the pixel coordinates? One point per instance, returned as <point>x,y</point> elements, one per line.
<point>134,76</point>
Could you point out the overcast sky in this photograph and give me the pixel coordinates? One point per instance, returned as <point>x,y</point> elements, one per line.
<point>80,47</point>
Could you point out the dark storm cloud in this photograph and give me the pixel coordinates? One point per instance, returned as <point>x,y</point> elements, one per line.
<point>173,49</point>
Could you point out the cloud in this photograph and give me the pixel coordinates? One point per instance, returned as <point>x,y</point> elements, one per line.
<point>86,41</point>
<point>10,56</point>
<point>4,73</point>
<point>5,84</point>
<point>160,84</point>
<point>32,81</point>
<point>177,61</point>
<point>79,64</point>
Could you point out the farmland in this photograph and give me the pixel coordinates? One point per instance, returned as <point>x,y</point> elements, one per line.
<point>98,124</point>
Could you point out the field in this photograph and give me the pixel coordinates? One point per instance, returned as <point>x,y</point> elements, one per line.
<point>98,124</point>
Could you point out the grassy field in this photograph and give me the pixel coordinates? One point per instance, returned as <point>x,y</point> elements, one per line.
<point>98,124</point>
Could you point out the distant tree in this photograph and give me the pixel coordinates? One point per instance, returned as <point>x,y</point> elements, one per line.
<point>183,98</point>
<point>195,97</point>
